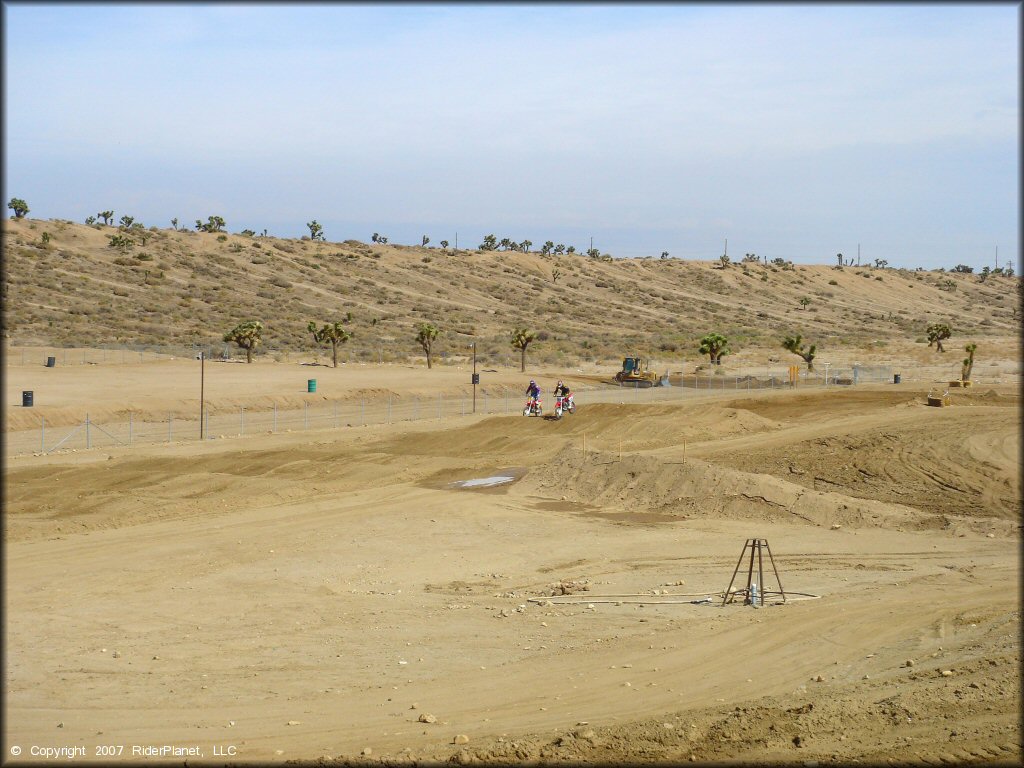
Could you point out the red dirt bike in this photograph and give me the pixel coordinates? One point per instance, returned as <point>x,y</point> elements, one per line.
<point>564,405</point>
<point>533,408</point>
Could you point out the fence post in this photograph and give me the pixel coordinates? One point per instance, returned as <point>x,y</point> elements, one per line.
<point>275,419</point>
<point>305,415</point>
<point>42,435</point>
<point>88,441</point>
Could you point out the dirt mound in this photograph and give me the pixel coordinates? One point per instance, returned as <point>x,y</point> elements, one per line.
<point>644,484</point>
<point>944,466</point>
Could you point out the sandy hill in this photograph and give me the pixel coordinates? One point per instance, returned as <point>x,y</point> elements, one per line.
<point>66,284</point>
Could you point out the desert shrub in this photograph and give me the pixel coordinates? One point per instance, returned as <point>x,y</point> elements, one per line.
<point>833,282</point>
<point>280,282</point>
<point>143,256</point>
<point>264,293</point>
<point>259,259</point>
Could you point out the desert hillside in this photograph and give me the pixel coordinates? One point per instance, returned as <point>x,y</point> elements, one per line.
<point>66,285</point>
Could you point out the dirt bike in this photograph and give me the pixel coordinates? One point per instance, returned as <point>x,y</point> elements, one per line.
<point>533,408</point>
<point>564,405</point>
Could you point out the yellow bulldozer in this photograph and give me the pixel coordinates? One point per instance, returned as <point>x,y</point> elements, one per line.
<point>635,371</point>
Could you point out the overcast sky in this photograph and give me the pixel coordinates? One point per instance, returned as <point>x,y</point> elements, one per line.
<point>793,131</point>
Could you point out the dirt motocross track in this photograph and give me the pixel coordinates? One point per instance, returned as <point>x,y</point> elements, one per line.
<point>338,595</point>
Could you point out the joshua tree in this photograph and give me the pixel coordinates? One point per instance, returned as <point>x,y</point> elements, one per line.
<point>425,335</point>
<point>123,242</point>
<point>213,224</point>
<point>375,237</point>
<point>126,221</point>
<point>174,224</point>
<point>968,364</point>
<point>316,232</point>
<point>936,333</point>
<point>559,249</point>
<point>724,259</point>
<point>426,240</point>
<point>520,339</point>
<point>247,335</point>
<point>504,243</point>
<point>571,249</point>
<point>106,216</point>
<point>547,248</point>
<point>489,244</point>
<point>715,346</point>
<point>90,220</point>
<point>795,345</point>
<point>525,246</point>
<point>444,244</point>
<point>19,206</point>
<point>555,274</point>
<point>664,254</point>
<point>804,302</point>
<point>335,333</point>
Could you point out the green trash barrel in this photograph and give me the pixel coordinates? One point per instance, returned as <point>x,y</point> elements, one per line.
<point>896,378</point>
<point>311,385</point>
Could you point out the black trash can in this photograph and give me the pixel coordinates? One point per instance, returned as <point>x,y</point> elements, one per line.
<point>51,362</point>
<point>26,398</point>
<point>895,378</point>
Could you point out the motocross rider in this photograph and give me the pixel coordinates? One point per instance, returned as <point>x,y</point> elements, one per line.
<point>562,390</point>
<point>533,391</point>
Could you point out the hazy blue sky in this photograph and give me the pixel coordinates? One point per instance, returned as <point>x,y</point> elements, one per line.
<point>795,131</point>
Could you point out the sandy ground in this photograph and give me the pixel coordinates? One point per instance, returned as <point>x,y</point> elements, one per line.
<point>338,594</point>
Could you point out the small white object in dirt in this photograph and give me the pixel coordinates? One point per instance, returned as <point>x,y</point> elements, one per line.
<point>909,662</point>
<point>484,481</point>
<point>294,722</point>
<point>947,673</point>
<point>425,718</point>
<point>836,526</point>
<point>990,535</point>
<point>367,751</point>
<point>461,739</point>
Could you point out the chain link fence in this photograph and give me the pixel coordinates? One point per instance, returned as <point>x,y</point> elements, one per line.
<point>216,423</point>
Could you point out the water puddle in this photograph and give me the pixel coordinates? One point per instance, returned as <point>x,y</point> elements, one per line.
<point>483,482</point>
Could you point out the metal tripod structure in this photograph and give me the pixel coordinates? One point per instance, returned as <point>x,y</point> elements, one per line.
<point>755,592</point>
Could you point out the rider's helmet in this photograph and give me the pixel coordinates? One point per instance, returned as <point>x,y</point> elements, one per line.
<point>532,381</point>
<point>559,382</point>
